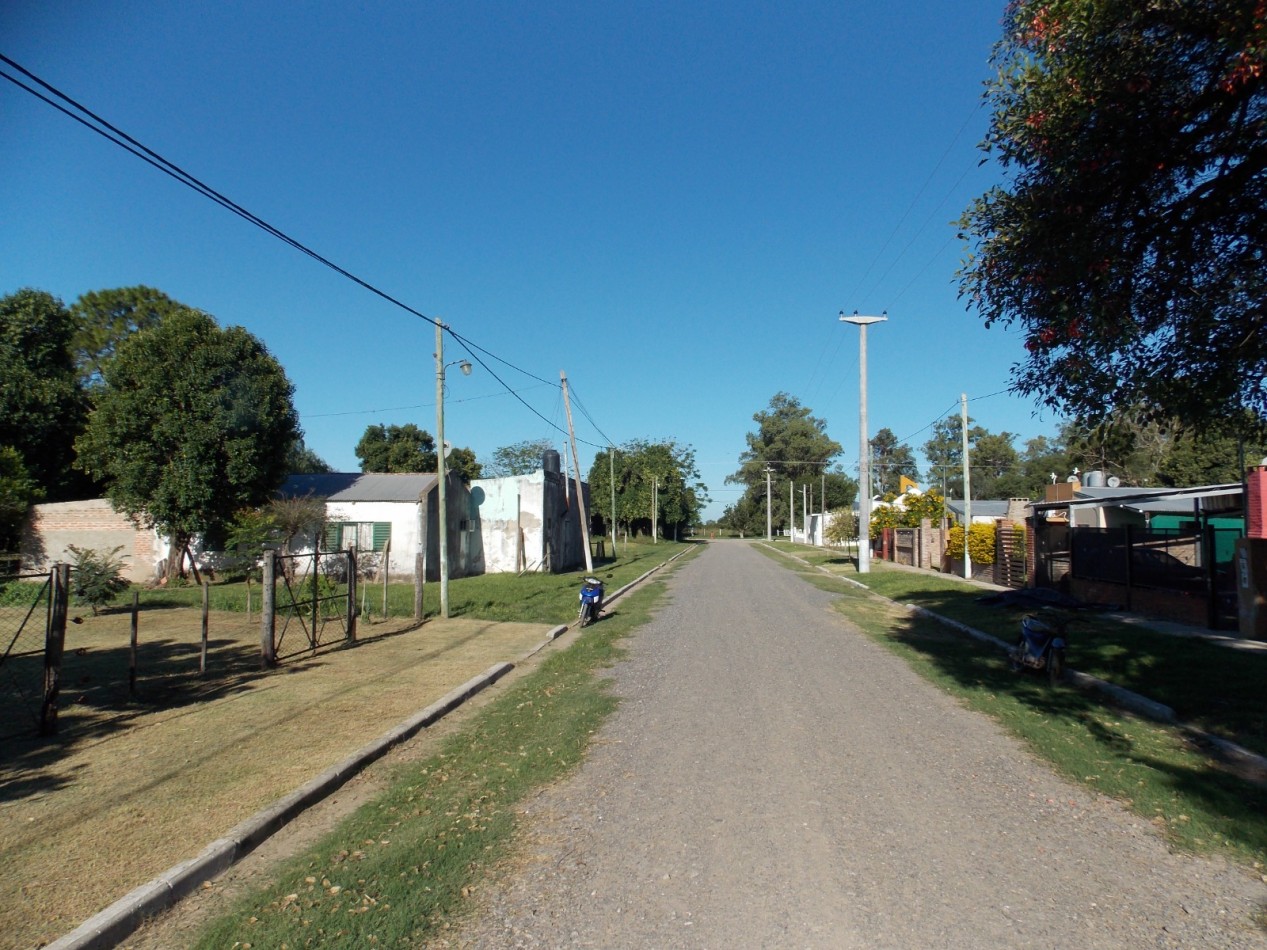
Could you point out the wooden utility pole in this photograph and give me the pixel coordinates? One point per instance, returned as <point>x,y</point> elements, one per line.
<point>580,495</point>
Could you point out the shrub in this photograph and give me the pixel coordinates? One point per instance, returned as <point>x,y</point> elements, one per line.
<point>980,540</point>
<point>96,577</point>
<point>840,527</point>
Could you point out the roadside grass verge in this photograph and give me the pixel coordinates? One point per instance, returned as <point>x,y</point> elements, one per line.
<point>527,598</point>
<point>394,872</point>
<point>1148,767</point>
<point>1215,688</point>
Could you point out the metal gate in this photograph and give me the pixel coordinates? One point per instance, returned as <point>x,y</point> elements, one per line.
<point>32,635</point>
<point>309,602</point>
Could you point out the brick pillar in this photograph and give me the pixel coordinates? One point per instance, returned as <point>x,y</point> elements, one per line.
<point>1256,502</point>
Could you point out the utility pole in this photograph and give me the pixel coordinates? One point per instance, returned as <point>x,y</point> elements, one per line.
<point>655,509</point>
<point>864,451</point>
<point>576,473</point>
<point>442,509</point>
<point>967,490</point>
<point>611,455</point>
<point>768,535</point>
<point>791,509</point>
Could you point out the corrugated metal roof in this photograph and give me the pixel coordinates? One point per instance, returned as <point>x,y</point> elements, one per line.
<point>359,486</point>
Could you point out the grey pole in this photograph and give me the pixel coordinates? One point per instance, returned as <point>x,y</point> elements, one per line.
<point>864,460</point>
<point>967,490</point>
<point>768,535</point>
<point>442,513</point>
<point>442,522</point>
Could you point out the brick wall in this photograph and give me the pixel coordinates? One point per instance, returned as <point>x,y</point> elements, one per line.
<point>51,529</point>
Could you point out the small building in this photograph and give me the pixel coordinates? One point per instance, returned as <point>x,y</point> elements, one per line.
<point>528,523</point>
<point>389,513</point>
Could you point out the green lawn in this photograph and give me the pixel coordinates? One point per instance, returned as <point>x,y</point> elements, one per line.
<point>528,598</point>
<point>403,865</point>
<point>1213,687</point>
<point>1151,768</point>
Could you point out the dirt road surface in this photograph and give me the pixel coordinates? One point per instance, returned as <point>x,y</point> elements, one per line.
<point>775,779</point>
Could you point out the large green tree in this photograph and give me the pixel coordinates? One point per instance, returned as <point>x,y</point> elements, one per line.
<point>104,318</point>
<point>42,405</point>
<point>396,449</point>
<point>794,446</point>
<point>657,478</point>
<point>1127,239</point>
<point>193,423</point>
<point>890,460</point>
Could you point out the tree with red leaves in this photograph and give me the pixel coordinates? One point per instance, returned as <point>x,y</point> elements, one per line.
<point>1128,239</point>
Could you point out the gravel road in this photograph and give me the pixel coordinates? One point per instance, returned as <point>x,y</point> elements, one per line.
<point>774,779</point>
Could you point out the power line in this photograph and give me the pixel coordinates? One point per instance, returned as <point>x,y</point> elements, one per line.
<point>129,144</point>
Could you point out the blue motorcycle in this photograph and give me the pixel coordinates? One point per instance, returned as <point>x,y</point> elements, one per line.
<point>591,600</point>
<point>1041,646</point>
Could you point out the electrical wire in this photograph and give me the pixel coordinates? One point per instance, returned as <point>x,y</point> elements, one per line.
<point>120,138</point>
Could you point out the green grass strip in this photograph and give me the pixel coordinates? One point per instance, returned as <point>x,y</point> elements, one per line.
<point>406,863</point>
<point>524,598</point>
<point>1148,767</point>
<point>1213,687</point>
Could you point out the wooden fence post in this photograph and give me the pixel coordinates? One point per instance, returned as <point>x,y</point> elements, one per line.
<point>268,612</point>
<point>136,622</point>
<point>351,595</point>
<point>419,580</point>
<point>206,609</point>
<point>54,645</point>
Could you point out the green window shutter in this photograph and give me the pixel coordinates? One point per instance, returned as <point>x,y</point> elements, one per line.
<point>334,536</point>
<point>382,534</point>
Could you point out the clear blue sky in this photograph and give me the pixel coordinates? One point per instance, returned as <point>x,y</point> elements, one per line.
<point>669,201</point>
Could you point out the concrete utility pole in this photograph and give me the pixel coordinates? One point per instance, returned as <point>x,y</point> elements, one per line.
<point>967,489</point>
<point>611,456</point>
<point>768,535</point>
<point>864,450</point>
<point>580,495</point>
<point>442,507</point>
<point>655,509</point>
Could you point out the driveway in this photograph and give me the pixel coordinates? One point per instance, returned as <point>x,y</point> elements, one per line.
<point>775,779</point>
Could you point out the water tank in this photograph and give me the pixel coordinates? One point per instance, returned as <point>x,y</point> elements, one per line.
<point>550,461</point>
<point>1093,480</point>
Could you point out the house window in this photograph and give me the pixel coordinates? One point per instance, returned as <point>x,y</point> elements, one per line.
<point>359,535</point>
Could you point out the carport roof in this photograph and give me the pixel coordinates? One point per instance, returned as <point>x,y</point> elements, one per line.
<point>360,486</point>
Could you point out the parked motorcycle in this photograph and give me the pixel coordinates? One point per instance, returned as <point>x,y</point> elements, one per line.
<point>591,601</point>
<point>1041,646</point>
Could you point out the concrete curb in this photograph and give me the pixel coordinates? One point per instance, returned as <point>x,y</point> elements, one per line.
<point>110,926</point>
<point>620,592</point>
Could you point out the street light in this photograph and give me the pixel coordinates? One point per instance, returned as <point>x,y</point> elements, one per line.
<point>442,509</point>
<point>864,461</point>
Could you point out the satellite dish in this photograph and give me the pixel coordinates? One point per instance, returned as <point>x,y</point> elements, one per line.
<point>448,448</point>
<point>1072,479</point>
<point>1114,481</point>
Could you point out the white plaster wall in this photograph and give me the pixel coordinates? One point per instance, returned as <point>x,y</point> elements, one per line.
<point>495,502</point>
<point>403,517</point>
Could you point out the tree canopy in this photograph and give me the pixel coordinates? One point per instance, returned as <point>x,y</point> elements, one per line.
<point>890,460</point>
<point>410,449</point>
<point>651,477</point>
<point>521,458</point>
<point>396,449</point>
<point>1128,242</point>
<point>192,424</point>
<point>42,405</point>
<point>104,318</point>
<point>794,445</point>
